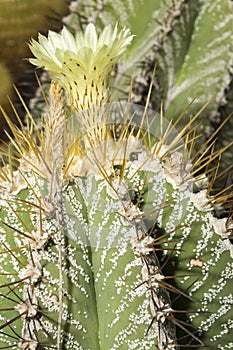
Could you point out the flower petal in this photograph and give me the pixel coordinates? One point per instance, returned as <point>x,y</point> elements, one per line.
<point>91,37</point>
<point>68,40</point>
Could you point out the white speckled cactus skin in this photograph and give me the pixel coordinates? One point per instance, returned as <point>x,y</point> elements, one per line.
<point>105,228</point>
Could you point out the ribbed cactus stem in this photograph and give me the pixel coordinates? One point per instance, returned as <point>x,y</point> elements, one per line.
<point>160,302</point>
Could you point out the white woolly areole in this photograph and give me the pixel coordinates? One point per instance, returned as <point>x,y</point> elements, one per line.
<point>27,308</point>
<point>201,201</point>
<point>13,182</point>
<point>31,271</point>
<point>28,344</point>
<point>143,246</point>
<point>132,212</point>
<point>229,246</point>
<point>220,227</point>
<point>38,239</point>
<point>177,168</point>
<point>202,182</point>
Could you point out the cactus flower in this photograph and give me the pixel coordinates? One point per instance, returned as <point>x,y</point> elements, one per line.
<point>81,63</point>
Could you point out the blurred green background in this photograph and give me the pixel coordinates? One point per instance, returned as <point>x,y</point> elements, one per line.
<point>20,20</point>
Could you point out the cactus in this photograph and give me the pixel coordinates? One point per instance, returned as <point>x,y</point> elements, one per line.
<point>108,231</point>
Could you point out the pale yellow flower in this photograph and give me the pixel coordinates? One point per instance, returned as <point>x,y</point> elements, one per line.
<point>81,62</point>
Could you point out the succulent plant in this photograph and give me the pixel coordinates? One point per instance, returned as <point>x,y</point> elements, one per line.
<point>108,230</point>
